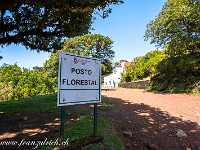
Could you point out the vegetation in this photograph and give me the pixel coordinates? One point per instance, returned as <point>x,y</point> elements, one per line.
<point>174,74</point>
<point>178,74</point>
<point>75,130</point>
<point>17,83</point>
<point>177,28</point>
<point>143,67</point>
<point>42,25</point>
<point>94,45</point>
<point>32,104</point>
<point>83,128</point>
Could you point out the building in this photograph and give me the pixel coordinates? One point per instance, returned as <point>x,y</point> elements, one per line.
<point>114,78</point>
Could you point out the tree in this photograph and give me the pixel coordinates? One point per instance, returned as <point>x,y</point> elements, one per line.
<point>94,45</point>
<point>42,24</point>
<point>144,66</point>
<point>177,27</point>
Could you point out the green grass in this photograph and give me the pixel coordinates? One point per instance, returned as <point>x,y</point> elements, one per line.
<point>84,128</point>
<point>42,103</point>
<point>33,104</point>
<point>76,130</point>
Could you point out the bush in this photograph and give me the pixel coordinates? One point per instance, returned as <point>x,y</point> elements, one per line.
<point>143,67</point>
<point>177,74</point>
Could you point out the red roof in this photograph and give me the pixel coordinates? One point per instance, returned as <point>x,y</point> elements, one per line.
<point>118,66</point>
<point>123,60</point>
<point>127,64</point>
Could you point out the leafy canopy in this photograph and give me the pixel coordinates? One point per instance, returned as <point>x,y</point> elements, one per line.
<point>94,45</point>
<point>143,67</point>
<point>42,24</point>
<point>177,27</point>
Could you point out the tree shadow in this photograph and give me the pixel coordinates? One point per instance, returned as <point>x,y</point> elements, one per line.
<point>141,126</point>
<point>24,130</point>
<point>138,125</point>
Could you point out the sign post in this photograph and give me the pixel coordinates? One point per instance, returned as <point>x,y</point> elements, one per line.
<point>79,82</point>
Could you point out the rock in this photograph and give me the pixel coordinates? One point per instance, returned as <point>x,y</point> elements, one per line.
<point>180,133</point>
<point>196,123</point>
<point>25,118</point>
<point>168,118</point>
<point>129,121</point>
<point>188,121</point>
<point>153,146</point>
<point>127,133</point>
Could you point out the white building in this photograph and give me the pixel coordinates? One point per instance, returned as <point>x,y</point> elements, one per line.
<point>114,78</point>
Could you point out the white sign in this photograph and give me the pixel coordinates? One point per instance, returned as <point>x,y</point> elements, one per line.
<point>79,79</point>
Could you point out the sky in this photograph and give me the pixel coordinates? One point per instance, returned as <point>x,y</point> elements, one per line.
<point>126,26</point>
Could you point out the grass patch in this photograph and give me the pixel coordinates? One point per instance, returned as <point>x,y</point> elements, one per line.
<point>76,130</point>
<point>33,104</point>
<point>84,128</point>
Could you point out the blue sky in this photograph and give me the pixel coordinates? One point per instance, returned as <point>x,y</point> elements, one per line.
<point>126,26</point>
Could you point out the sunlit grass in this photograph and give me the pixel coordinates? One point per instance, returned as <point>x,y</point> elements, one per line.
<point>33,104</point>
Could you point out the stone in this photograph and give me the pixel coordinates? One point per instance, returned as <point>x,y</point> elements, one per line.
<point>153,146</point>
<point>168,118</point>
<point>188,121</point>
<point>127,133</point>
<point>180,133</point>
<point>196,123</point>
<point>25,118</point>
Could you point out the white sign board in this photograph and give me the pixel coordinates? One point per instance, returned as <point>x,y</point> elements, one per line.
<point>79,79</point>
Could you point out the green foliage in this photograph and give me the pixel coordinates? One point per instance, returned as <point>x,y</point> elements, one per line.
<point>94,45</point>
<point>177,74</point>
<point>42,25</point>
<point>177,27</point>
<point>143,67</point>
<point>19,83</point>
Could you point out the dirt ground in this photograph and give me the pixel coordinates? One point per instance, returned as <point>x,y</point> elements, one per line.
<point>149,120</point>
<point>142,120</point>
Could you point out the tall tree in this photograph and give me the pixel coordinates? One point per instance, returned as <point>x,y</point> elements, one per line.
<point>42,24</point>
<point>94,45</point>
<point>177,27</point>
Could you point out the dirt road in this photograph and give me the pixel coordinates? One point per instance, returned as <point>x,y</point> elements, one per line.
<point>178,105</point>
<point>150,120</point>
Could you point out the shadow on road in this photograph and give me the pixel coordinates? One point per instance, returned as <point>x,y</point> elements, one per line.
<point>139,126</point>
<point>143,127</point>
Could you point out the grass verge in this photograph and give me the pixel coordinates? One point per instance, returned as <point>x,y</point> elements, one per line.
<point>32,104</point>
<point>84,128</point>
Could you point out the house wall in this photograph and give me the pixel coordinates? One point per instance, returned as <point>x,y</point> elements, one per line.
<point>113,79</point>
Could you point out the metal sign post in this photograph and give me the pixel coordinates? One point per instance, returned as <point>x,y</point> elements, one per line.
<point>95,119</point>
<point>62,124</point>
<point>79,82</point>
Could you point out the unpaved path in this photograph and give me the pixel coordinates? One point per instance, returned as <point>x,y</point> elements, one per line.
<point>178,105</point>
<point>148,120</point>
